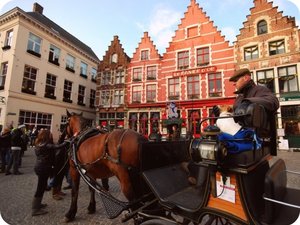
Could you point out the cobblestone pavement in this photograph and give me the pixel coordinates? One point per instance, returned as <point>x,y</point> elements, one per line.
<point>16,194</point>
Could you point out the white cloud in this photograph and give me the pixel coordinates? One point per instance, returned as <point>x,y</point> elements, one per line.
<point>3,3</point>
<point>229,33</point>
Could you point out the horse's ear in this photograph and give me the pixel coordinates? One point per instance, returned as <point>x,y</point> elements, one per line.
<point>68,114</point>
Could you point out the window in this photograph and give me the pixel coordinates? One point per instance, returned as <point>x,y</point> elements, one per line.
<point>288,81</point>
<point>34,45</point>
<point>54,53</point>
<point>50,86</point>
<point>39,120</point>
<point>193,90</point>
<point>70,63</point>
<point>3,74</point>
<point>266,78</point>
<point>67,91</point>
<point>151,93</point>
<point>136,94</point>
<point>114,58</point>
<point>105,78</point>
<point>276,47</point>
<point>215,85</point>
<point>262,27</point>
<point>105,96</point>
<point>29,80</point>
<point>145,55</point>
<point>63,122</point>
<point>151,72</point>
<point>251,53</point>
<point>183,60</point>
<point>83,69</point>
<point>203,56</point>
<point>290,121</point>
<point>93,74</point>
<point>118,97</point>
<point>92,98</point>
<point>120,77</point>
<point>8,40</point>
<point>137,74</point>
<point>81,94</point>
<point>174,89</point>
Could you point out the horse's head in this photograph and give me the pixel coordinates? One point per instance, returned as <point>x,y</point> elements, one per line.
<point>74,123</point>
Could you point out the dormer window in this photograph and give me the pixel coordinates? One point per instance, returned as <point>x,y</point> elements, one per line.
<point>114,58</point>
<point>145,55</point>
<point>262,27</point>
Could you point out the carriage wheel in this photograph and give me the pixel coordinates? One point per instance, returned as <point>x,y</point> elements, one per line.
<point>157,222</point>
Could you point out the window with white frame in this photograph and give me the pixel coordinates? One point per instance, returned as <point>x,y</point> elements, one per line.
<point>183,60</point>
<point>145,55</point>
<point>137,94</point>
<point>151,72</point>
<point>174,89</point>
<point>50,86</point>
<point>93,74</point>
<point>63,122</point>
<point>120,77</point>
<point>288,79</point>
<point>34,45</point>
<point>3,74</point>
<point>262,27</point>
<point>70,63</point>
<point>151,93</point>
<point>54,53</point>
<point>8,38</point>
<point>276,47</point>
<point>105,98</point>
<point>203,56</point>
<point>266,78</point>
<point>67,91</point>
<point>106,77</point>
<point>137,74</point>
<point>37,119</point>
<point>29,79</point>
<point>114,58</point>
<point>83,69</point>
<point>81,95</point>
<point>193,87</point>
<point>215,85</point>
<point>251,53</point>
<point>118,97</point>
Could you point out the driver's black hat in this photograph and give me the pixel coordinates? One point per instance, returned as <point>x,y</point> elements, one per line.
<point>239,73</point>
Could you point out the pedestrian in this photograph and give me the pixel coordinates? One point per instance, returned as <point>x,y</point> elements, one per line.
<point>5,145</point>
<point>16,147</point>
<point>45,151</point>
<point>248,92</point>
<point>33,135</point>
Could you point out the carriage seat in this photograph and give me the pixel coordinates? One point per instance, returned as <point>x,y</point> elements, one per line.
<point>276,189</point>
<point>171,187</point>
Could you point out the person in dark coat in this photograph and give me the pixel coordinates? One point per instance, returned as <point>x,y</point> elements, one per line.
<point>5,144</point>
<point>45,151</point>
<point>248,92</point>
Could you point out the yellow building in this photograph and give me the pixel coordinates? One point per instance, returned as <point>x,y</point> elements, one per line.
<point>44,70</point>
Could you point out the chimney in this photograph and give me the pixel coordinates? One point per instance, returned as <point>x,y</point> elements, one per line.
<point>37,8</point>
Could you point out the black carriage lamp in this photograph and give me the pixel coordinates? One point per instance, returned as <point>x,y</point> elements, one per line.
<point>2,99</point>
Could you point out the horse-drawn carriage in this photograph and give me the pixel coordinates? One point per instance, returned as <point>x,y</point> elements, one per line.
<point>231,188</point>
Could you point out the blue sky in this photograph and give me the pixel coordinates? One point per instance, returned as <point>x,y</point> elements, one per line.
<point>95,22</point>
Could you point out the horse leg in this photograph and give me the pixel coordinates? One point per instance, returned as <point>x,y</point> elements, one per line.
<point>105,183</point>
<point>92,205</point>
<point>70,215</point>
<point>126,185</point>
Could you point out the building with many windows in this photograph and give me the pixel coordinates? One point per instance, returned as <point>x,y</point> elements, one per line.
<point>269,45</point>
<point>44,70</point>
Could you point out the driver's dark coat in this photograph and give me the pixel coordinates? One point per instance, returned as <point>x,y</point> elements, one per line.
<point>45,157</point>
<point>257,94</point>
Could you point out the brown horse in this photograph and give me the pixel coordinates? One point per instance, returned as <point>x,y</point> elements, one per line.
<point>102,156</point>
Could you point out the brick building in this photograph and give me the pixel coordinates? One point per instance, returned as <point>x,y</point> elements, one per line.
<point>268,44</point>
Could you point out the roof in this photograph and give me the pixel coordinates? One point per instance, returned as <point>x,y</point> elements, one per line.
<point>62,33</point>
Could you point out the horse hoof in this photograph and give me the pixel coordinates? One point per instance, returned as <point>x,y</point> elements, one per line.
<point>91,211</point>
<point>67,220</point>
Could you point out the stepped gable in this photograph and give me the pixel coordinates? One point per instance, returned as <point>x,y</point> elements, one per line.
<point>264,10</point>
<point>115,47</point>
<point>146,43</point>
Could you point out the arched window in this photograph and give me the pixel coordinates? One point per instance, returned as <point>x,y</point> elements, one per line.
<point>262,27</point>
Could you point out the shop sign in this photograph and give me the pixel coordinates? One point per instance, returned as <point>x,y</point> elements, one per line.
<point>195,71</point>
<point>290,98</point>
